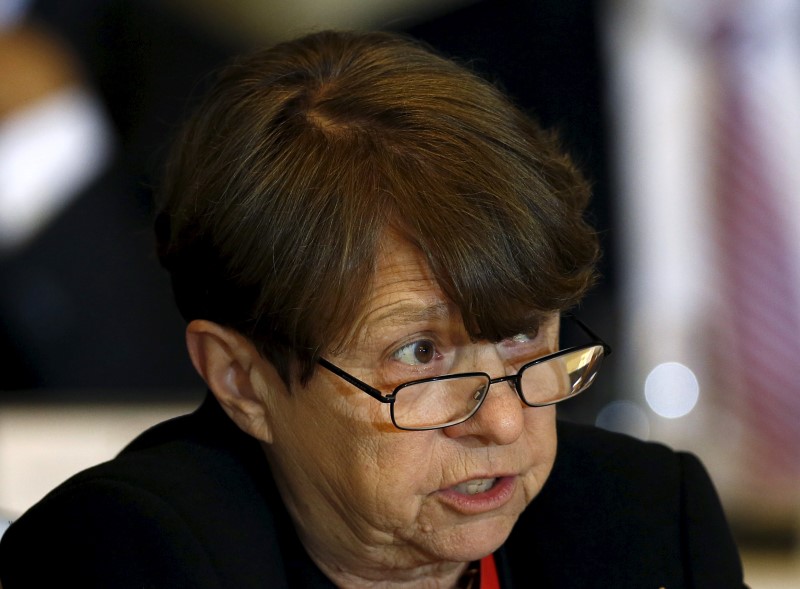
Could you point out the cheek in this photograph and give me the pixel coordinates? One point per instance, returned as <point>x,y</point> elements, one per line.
<point>540,444</point>
<point>390,474</point>
<point>391,484</point>
<point>540,423</point>
<point>378,483</point>
<point>348,438</point>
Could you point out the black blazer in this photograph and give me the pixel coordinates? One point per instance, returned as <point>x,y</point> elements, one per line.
<point>191,503</point>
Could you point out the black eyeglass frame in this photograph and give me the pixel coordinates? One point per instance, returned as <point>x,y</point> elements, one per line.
<point>595,340</point>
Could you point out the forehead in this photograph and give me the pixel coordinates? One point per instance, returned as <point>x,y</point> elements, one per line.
<point>403,290</point>
<point>404,297</point>
<point>403,285</point>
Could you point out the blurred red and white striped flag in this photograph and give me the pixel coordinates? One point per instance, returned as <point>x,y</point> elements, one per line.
<point>757,357</point>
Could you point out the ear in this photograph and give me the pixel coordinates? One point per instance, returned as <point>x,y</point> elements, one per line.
<point>235,372</point>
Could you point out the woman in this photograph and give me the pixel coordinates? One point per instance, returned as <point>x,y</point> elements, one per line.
<point>373,248</point>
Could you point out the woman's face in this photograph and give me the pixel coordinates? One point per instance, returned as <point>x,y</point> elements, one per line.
<point>363,493</point>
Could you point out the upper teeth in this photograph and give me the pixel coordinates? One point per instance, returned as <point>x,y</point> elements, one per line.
<point>476,486</point>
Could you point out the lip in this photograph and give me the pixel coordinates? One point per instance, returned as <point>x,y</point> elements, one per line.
<point>501,493</point>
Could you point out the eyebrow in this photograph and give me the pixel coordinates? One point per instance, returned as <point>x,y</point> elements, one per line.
<point>411,313</point>
<point>393,315</point>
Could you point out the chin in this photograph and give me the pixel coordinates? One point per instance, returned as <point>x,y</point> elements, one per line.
<point>474,540</point>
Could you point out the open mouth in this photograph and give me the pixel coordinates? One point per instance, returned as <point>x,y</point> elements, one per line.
<point>475,486</point>
<point>477,496</point>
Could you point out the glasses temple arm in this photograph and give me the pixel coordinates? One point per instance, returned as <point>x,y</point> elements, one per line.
<point>360,384</point>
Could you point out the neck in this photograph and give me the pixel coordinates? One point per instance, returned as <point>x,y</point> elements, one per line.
<point>435,576</point>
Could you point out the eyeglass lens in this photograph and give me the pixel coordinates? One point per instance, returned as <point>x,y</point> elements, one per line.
<point>451,400</point>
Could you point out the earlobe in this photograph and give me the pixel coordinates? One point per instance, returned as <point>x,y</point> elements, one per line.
<point>227,362</point>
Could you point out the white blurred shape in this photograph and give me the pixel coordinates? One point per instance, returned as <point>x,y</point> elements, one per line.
<point>671,390</point>
<point>11,13</point>
<point>625,417</point>
<point>48,153</point>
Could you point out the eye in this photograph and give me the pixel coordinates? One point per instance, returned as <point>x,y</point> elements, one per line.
<point>522,348</point>
<point>521,339</point>
<point>416,353</point>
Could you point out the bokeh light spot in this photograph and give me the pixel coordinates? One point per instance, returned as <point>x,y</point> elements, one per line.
<point>625,417</point>
<point>671,390</point>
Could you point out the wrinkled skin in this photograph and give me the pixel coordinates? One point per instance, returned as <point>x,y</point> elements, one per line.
<point>371,502</point>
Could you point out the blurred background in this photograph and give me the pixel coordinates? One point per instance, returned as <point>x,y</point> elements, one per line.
<point>685,115</point>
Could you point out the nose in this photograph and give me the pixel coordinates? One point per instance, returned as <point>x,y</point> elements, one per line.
<point>498,421</point>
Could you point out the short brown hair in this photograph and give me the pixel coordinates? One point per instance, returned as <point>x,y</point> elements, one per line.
<point>283,182</point>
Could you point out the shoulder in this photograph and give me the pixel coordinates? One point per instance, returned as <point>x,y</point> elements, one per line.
<point>624,481</point>
<point>157,515</point>
<point>597,456</point>
<point>626,512</point>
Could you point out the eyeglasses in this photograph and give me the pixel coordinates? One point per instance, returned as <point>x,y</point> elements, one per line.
<point>444,401</point>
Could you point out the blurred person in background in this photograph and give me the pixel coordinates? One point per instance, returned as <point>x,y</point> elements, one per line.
<point>85,311</point>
